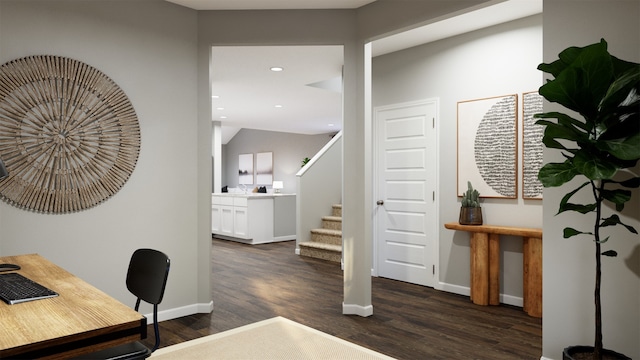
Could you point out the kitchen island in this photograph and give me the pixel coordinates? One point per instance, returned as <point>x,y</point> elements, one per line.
<point>253,218</point>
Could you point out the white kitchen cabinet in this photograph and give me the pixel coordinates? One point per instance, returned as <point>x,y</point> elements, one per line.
<point>222,216</point>
<point>240,222</point>
<point>253,218</point>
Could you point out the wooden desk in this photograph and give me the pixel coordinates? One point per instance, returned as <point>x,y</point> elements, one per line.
<point>81,320</point>
<point>485,264</point>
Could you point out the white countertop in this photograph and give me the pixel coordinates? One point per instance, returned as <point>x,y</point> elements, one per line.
<point>252,195</point>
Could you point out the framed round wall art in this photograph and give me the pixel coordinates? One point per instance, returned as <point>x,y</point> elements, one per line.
<point>69,135</point>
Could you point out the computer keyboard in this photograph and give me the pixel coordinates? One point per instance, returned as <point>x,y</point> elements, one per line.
<point>15,288</point>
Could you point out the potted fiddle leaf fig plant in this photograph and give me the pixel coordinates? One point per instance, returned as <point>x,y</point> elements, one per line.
<point>601,146</point>
<point>470,210</point>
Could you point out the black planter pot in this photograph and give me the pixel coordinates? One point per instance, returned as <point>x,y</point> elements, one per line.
<point>470,216</point>
<point>571,353</point>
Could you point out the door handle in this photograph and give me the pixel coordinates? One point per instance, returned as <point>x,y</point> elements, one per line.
<point>380,202</point>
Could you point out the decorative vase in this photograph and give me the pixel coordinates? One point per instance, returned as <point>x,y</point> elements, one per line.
<point>585,352</point>
<point>470,216</point>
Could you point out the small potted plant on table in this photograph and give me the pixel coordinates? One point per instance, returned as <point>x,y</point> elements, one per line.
<point>470,210</point>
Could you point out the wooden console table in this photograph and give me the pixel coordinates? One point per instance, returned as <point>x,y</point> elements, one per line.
<point>485,264</point>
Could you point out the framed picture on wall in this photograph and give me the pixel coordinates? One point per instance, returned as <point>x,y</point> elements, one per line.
<point>245,169</point>
<point>488,146</point>
<point>264,168</point>
<point>532,147</point>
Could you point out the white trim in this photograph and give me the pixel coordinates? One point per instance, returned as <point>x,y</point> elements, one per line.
<point>466,291</point>
<point>436,245</point>
<point>511,300</point>
<point>353,309</point>
<point>456,289</point>
<point>545,358</point>
<point>319,154</point>
<point>182,311</point>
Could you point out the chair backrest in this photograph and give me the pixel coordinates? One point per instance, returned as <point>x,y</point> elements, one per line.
<point>147,275</point>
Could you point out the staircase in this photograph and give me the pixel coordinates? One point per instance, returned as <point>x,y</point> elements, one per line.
<point>326,243</point>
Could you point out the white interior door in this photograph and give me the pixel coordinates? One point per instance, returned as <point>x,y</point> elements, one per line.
<point>406,218</point>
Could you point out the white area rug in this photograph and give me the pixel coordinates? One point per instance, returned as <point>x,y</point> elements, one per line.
<point>276,338</point>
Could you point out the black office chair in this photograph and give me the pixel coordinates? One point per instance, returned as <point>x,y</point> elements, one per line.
<point>146,279</point>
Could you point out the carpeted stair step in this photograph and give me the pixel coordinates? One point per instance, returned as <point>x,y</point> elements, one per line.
<point>326,243</point>
<point>330,252</point>
<point>336,210</point>
<point>327,236</point>
<point>332,222</point>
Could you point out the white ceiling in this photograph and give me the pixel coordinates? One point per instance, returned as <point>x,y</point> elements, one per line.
<point>248,91</point>
<point>308,89</point>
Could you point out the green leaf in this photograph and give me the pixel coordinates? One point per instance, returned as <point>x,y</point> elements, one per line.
<point>617,196</point>
<point>569,232</point>
<point>582,83</point>
<point>556,174</point>
<point>555,67</point>
<point>630,183</point>
<point>563,131</point>
<point>553,144</point>
<point>614,220</point>
<point>621,121</point>
<point>562,118</point>
<point>627,148</point>
<point>610,253</point>
<point>610,221</point>
<point>628,77</point>
<point>563,89</point>
<point>566,206</point>
<point>592,166</point>
<point>582,209</point>
<point>566,57</point>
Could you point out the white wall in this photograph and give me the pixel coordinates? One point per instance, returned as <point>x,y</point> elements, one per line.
<point>495,61</point>
<point>568,264</point>
<point>319,188</point>
<point>288,151</point>
<point>149,48</point>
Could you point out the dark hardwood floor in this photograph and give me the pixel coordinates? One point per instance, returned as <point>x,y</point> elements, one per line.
<point>257,282</point>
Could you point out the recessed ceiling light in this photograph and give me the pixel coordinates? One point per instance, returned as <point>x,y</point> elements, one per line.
<point>223,117</point>
<point>331,125</point>
<point>278,106</point>
<point>276,68</point>
<point>215,96</point>
<point>220,108</point>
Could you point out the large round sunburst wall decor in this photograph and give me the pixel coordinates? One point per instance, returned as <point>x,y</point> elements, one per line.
<point>69,135</point>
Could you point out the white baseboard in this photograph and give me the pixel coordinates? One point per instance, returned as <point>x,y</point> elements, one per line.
<point>456,289</point>
<point>175,313</point>
<point>297,251</point>
<point>511,300</point>
<point>352,309</point>
<point>545,358</point>
<point>347,309</point>
<point>463,290</point>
